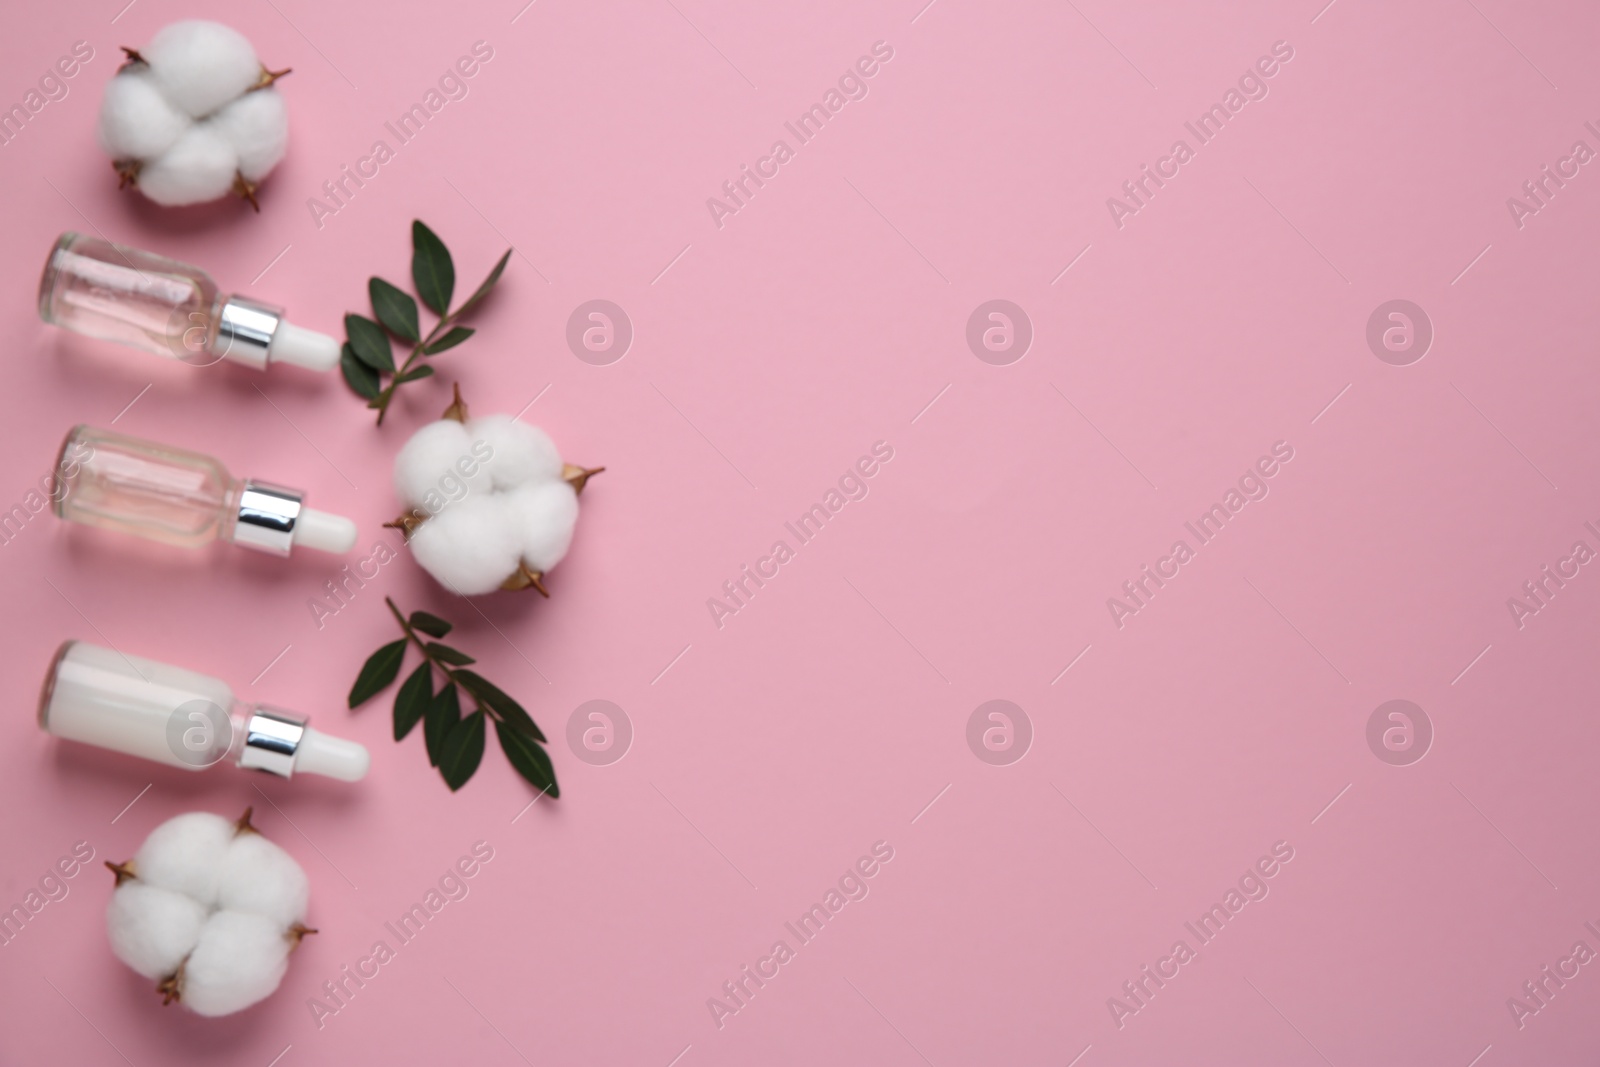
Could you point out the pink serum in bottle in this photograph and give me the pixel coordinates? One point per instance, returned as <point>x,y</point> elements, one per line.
<point>104,290</point>
<point>184,498</point>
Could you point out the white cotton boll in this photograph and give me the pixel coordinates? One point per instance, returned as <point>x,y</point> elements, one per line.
<point>470,546</point>
<point>516,514</point>
<point>136,122</point>
<point>522,453</point>
<point>194,116</point>
<point>153,929</point>
<point>257,125</point>
<point>240,959</point>
<point>199,167</point>
<point>258,876</point>
<point>430,463</point>
<point>185,854</point>
<point>211,910</point>
<point>201,65</point>
<point>545,515</point>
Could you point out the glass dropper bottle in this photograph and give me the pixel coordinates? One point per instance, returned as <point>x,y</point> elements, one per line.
<point>116,293</point>
<point>155,711</point>
<point>183,498</point>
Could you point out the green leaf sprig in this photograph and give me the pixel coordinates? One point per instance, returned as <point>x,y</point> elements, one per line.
<point>455,743</point>
<point>367,354</point>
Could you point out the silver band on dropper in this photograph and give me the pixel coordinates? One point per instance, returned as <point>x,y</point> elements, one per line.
<point>271,739</point>
<point>245,329</point>
<point>266,518</point>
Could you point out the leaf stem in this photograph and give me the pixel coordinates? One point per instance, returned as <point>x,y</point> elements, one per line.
<point>441,666</point>
<point>394,382</point>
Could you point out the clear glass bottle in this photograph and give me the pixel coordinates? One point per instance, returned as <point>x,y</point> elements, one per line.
<point>121,294</point>
<point>98,696</point>
<point>183,498</point>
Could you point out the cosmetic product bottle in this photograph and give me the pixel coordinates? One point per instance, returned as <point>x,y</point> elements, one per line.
<point>182,498</point>
<point>103,290</point>
<point>99,696</point>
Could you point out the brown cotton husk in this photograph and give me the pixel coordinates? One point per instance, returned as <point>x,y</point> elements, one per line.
<point>268,77</point>
<point>577,476</point>
<point>127,172</point>
<point>526,578</point>
<point>171,987</point>
<point>246,190</point>
<point>457,411</point>
<point>407,523</point>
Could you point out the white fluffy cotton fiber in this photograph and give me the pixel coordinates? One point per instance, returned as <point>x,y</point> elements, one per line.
<point>193,115</point>
<point>491,501</point>
<point>211,909</point>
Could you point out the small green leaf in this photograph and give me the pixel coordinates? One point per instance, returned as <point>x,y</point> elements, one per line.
<point>463,751</point>
<point>413,699</point>
<point>529,758</point>
<point>414,373</point>
<point>369,342</point>
<point>431,268</point>
<point>453,337</point>
<point>502,705</point>
<point>380,669</point>
<point>395,309</point>
<point>443,714</point>
<point>431,625</point>
<point>483,290</point>
<point>449,655</point>
<point>360,377</point>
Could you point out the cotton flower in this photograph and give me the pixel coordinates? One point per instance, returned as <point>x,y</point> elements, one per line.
<point>492,504</point>
<point>211,910</point>
<point>193,116</point>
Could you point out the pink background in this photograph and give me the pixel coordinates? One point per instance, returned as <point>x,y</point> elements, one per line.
<point>771,753</point>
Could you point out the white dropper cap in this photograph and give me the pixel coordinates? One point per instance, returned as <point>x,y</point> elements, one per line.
<point>324,532</point>
<point>303,348</point>
<point>333,757</point>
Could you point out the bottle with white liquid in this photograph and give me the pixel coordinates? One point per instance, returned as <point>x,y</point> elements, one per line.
<point>115,293</point>
<point>184,498</point>
<point>100,697</point>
